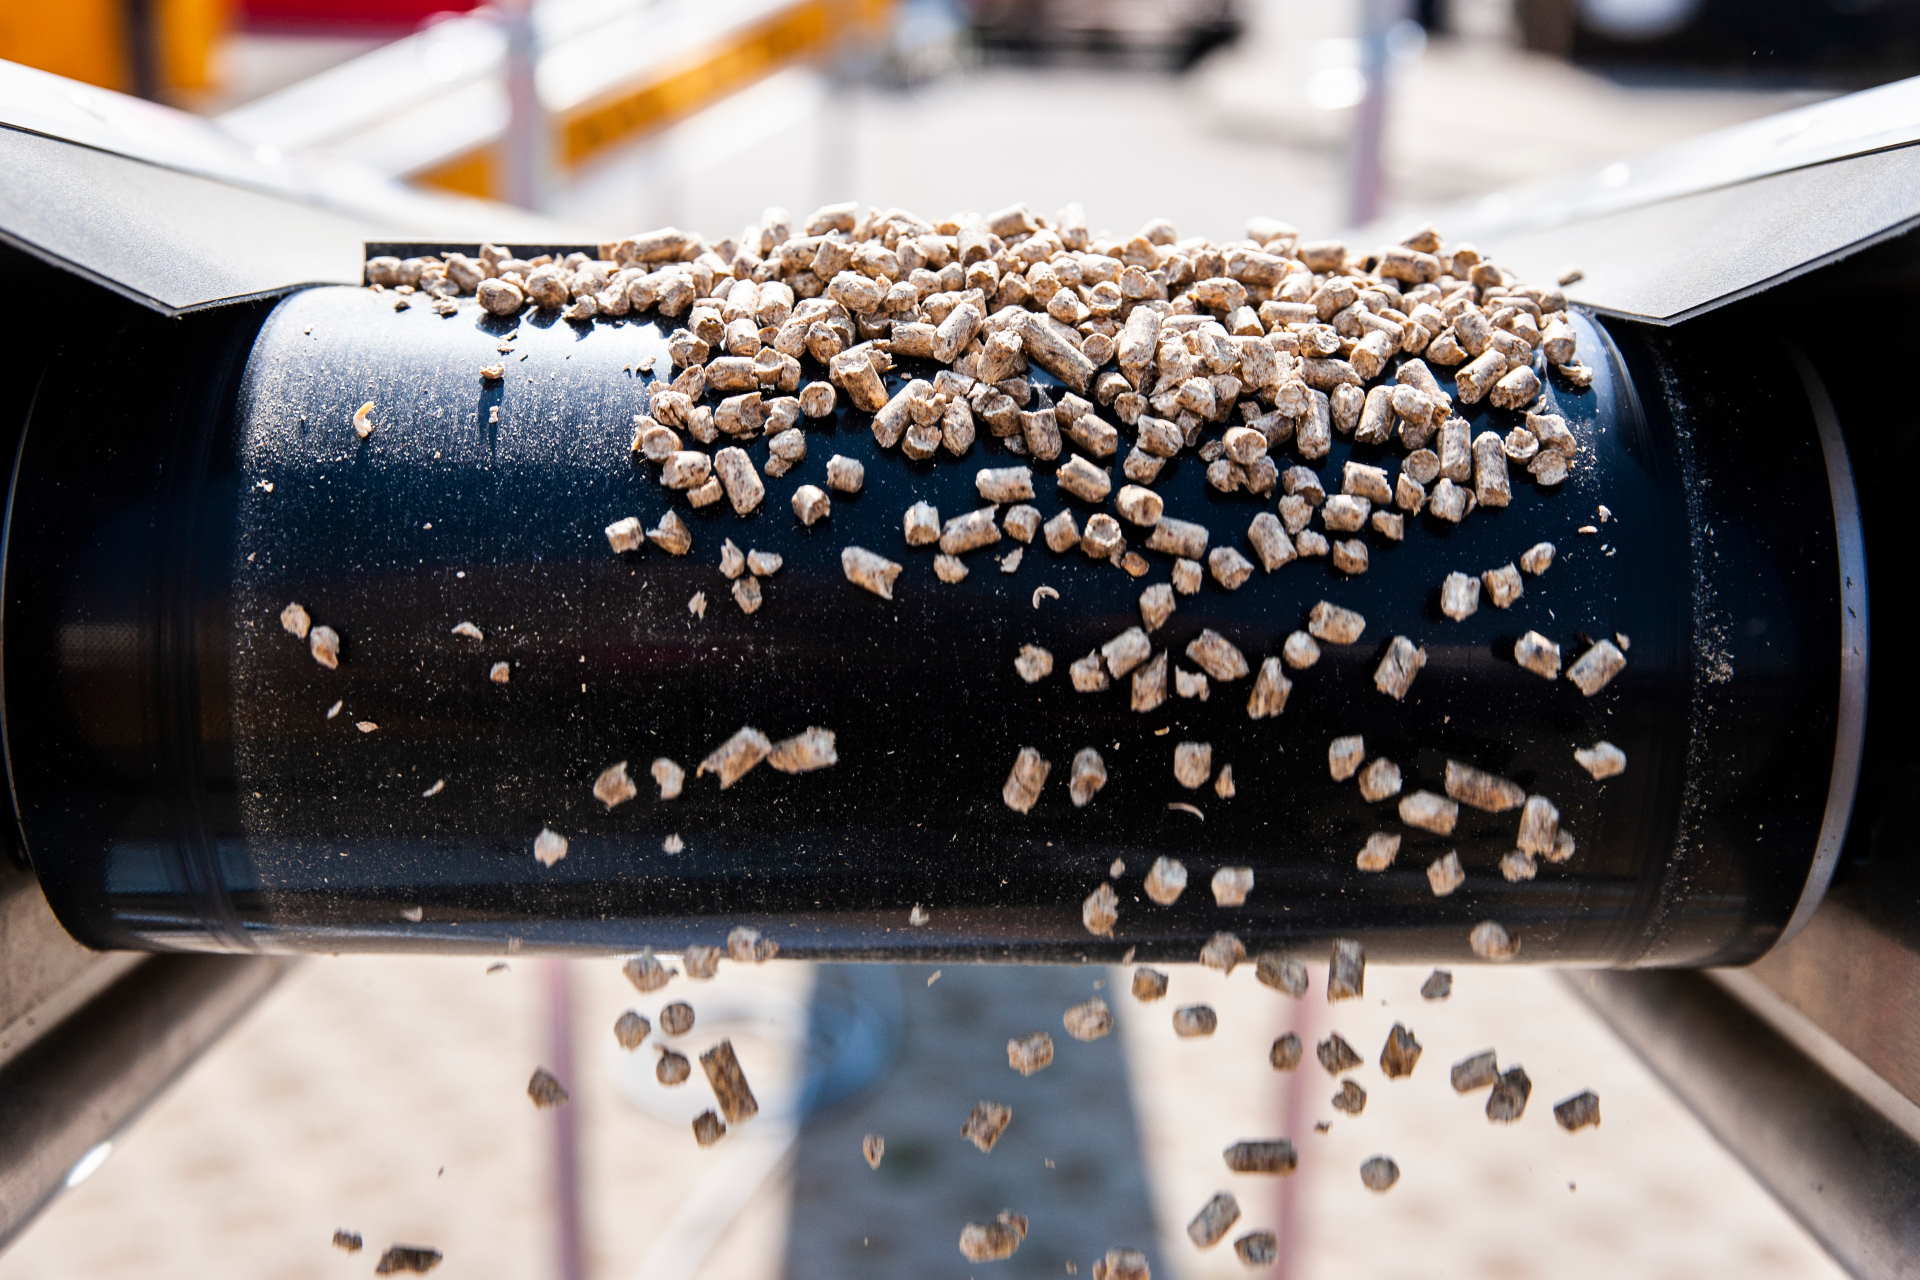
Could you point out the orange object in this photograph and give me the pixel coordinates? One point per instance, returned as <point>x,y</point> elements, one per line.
<point>94,41</point>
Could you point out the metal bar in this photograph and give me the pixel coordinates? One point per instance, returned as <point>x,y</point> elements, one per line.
<point>1847,1172</point>
<point>70,1091</point>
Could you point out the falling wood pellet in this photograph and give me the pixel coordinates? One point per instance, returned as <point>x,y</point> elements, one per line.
<point>1285,1053</point>
<point>297,623</point>
<point>1087,776</point>
<point>1231,885</point>
<point>1089,1020</point>
<point>646,972</point>
<point>545,1091</point>
<point>1271,688</point>
<point>614,786</point>
<point>734,758</point>
<point>1270,1155</point>
<point>949,569</point>
<point>1190,684</point>
<point>1025,780</point>
<point>407,1259</point>
<point>1030,1053</point>
<point>1538,558</point>
<point>921,524</point>
<point>1508,1101</point>
<point>1346,970</point>
<point>1344,756</point>
<point>867,569</point>
<point>1484,791</point>
<point>1459,596</point>
<point>549,846</point>
<point>668,776</point>
<point>1335,625</point>
<point>985,1123</point>
<point>729,1083</point>
<point>676,1019</point>
<point>1400,1054</point>
<point>1444,874</point>
<point>1148,984</point>
<point>1258,1248</point>
<point>707,1129</point>
<point>1539,826</point>
<point>1402,661</point>
<point>1101,911</point>
<point>1503,585</point>
<point>810,749</point>
<point>844,474</point>
<point>993,1241</point>
<point>324,644</point>
<point>746,946</point>
<point>1336,1055</point>
<point>1537,654</point>
<point>1592,670</point>
<point>1429,812</point>
<point>1379,1173</point>
<point>1516,866</point>
<point>1280,972</point>
<point>811,504</point>
<point>1379,851</point>
<point>1223,784</point>
<point>1475,1071</point>
<point>1215,1219</point>
<point>1192,764</point>
<point>1490,941</point>
<point>672,1069</point>
<point>1380,780</point>
<point>631,1030</point>
<point>1194,1020</point>
<point>1214,654</point>
<point>1223,951</point>
<point>1438,986</point>
<point>1602,760</point>
<point>1006,484</point>
<point>1578,1112</point>
<point>1351,1099</point>
<point>1121,1264</point>
<point>1126,651</point>
<point>348,1241</point>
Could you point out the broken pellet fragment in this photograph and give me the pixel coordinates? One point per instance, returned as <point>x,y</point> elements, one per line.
<point>1459,596</point>
<point>676,1019</point>
<point>1351,1099</point>
<point>1400,1054</point>
<point>1334,624</point>
<point>1438,986</point>
<point>1579,1111</point>
<point>729,1083</point>
<point>1217,656</point>
<point>1490,941</point>
<point>1024,781</point>
<point>985,1123</point>
<point>1100,911</point>
<point>549,847</point>
<point>1508,1100</point>
<point>324,644</point>
<point>1195,1020</point>
<point>1148,984</point>
<point>1485,791</point>
<point>1599,664</point>
<point>1231,885</point>
<point>867,569</point>
<point>1429,812</point>
<point>810,749</point>
<point>614,786</point>
<point>1223,951</point>
<point>1089,1020</point>
<point>993,1241</point>
<point>1192,764</point>
<point>1285,1053</point>
<point>545,1090</point>
<point>708,1129</point>
<point>1444,874</point>
<point>732,759</point>
<point>1379,1173</point>
<point>1270,1155</point>
<point>1215,1219</point>
<point>1088,775</point>
<point>1030,1053</point>
<point>1379,780</point>
<point>745,945</point>
<point>1601,760</point>
<point>1346,970</point>
<point>1379,851</point>
<point>1336,1055</point>
<point>646,972</point>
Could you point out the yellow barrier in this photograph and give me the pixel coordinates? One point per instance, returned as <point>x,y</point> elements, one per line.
<point>88,40</point>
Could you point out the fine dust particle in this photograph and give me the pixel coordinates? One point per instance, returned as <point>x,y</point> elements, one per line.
<point>673,843</point>
<point>335,709</point>
<point>549,846</point>
<point>414,914</point>
<point>439,785</point>
<point>365,726</point>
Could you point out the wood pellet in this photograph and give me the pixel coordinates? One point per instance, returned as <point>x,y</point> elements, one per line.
<point>1490,941</point>
<point>1336,1055</point>
<point>1089,1020</point>
<point>1223,951</point>
<point>1122,1264</point>
<point>1281,972</point>
<point>1475,1071</point>
<point>729,1083</point>
<point>993,1241</point>
<point>1346,970</point>
<point>985,1123</point>
<point>1481,790</point>
<point>1379,1173</point>
<point>407,1259</point>
<point>1400,1054</point>
<point>545,1091</point>
<point>1578,1112</point>
<point>1215,1218</point>
<point>1285,1053</point>
<point>631,1030</point>
<point>1231,885</point>
<point>1507,1101</point>
<point>676,1019</point>
<point>1602,760</point>
<point>873,1149</point>
<point>1438,986</point>
<point>1148,984</point>
<point>1191,1021</point>
<point>1269,1155</point>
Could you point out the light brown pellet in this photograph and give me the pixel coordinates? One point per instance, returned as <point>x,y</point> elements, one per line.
<point>1148,984</point>
<point>1402,661</point>
<point>868,569</point>
<point>1508,1100</point>
<point>1061,532</point>
<point>1033,663</point>
<point>811,504</point>
<point>1459,596</point>
<point>1476,1071</point>
<point>1258,1248</point>
<point>969,532</point>
<point>1217,656</point>
<point>1503,585</point>
<point>1351,1099</point>
<point>1088,673</point>
<point>1215,1219</point>
<point>297,622</point>
<point>1484,791</point>
<point>1025,780</point>
<point>1181,538</point>
<point>545,1091</point>
<point>1344,755</point>
<point>729,1083</point>
<point>1444,874</point>
<point>1538,558</point>
<point>1379,780</point>
<point>1438,986</point>
<point>1400,1054</point>
<point>1089,1020</point>
<point>1192,764</point>
<point>1490,941</point>
<point>1336,1055</point>
<point>1231,885</point>
<point>500,673</point>
<point>1345,513</point>
<point>748,595</point>
<point>1121,1264</point>
<point>1379,1173</point>
<point>1223,951</point>
<point>1270,691</point>
<point>549,847</point>
<point>1126,651</point>
<point>1285,1053</point>
<point>1005,484</point>
<point>1346,971</point>
<point>810,749</point>
<point>1030,1053</point>
<point>1270,1155</point>
<point>1101,911</point>
<point>985,1123</point>
<point>631,1030</point>
<point>1300,650</point>
<point>949,569</point>
<point>1537,654</point>
<point>1599,664</point>
<point>1166,881</point>
<point>1449,502</point>
<point>921,524</point>
<point>1283,974</point>
<point>1150,684</point>
<point>1539,826</point>
<point>1429,812</point>
<point>1186,576</point>
<point>707,1129</point>
<point>676,1019</point>
<point>1334,624</point>
<point>1579,1111</point>
<point>1517,866</point>
<point>646,972</point>
<point>671,535</point>
<point>1350,556</point>
<point>701,962</point>
<point>1601,760</point>
<point>614,786</point>
<point>745,945</point>
<point>993,1241</point>
<point>846,475</point>
<point>1379,851</point>
<point>324,644</point>
<point>732,759</point>
<point>668,776</point>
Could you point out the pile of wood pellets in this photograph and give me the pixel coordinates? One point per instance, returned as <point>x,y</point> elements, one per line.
<point>1028,347</point>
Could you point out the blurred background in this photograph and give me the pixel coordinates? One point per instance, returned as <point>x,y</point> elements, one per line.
<point>386,1097</point>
